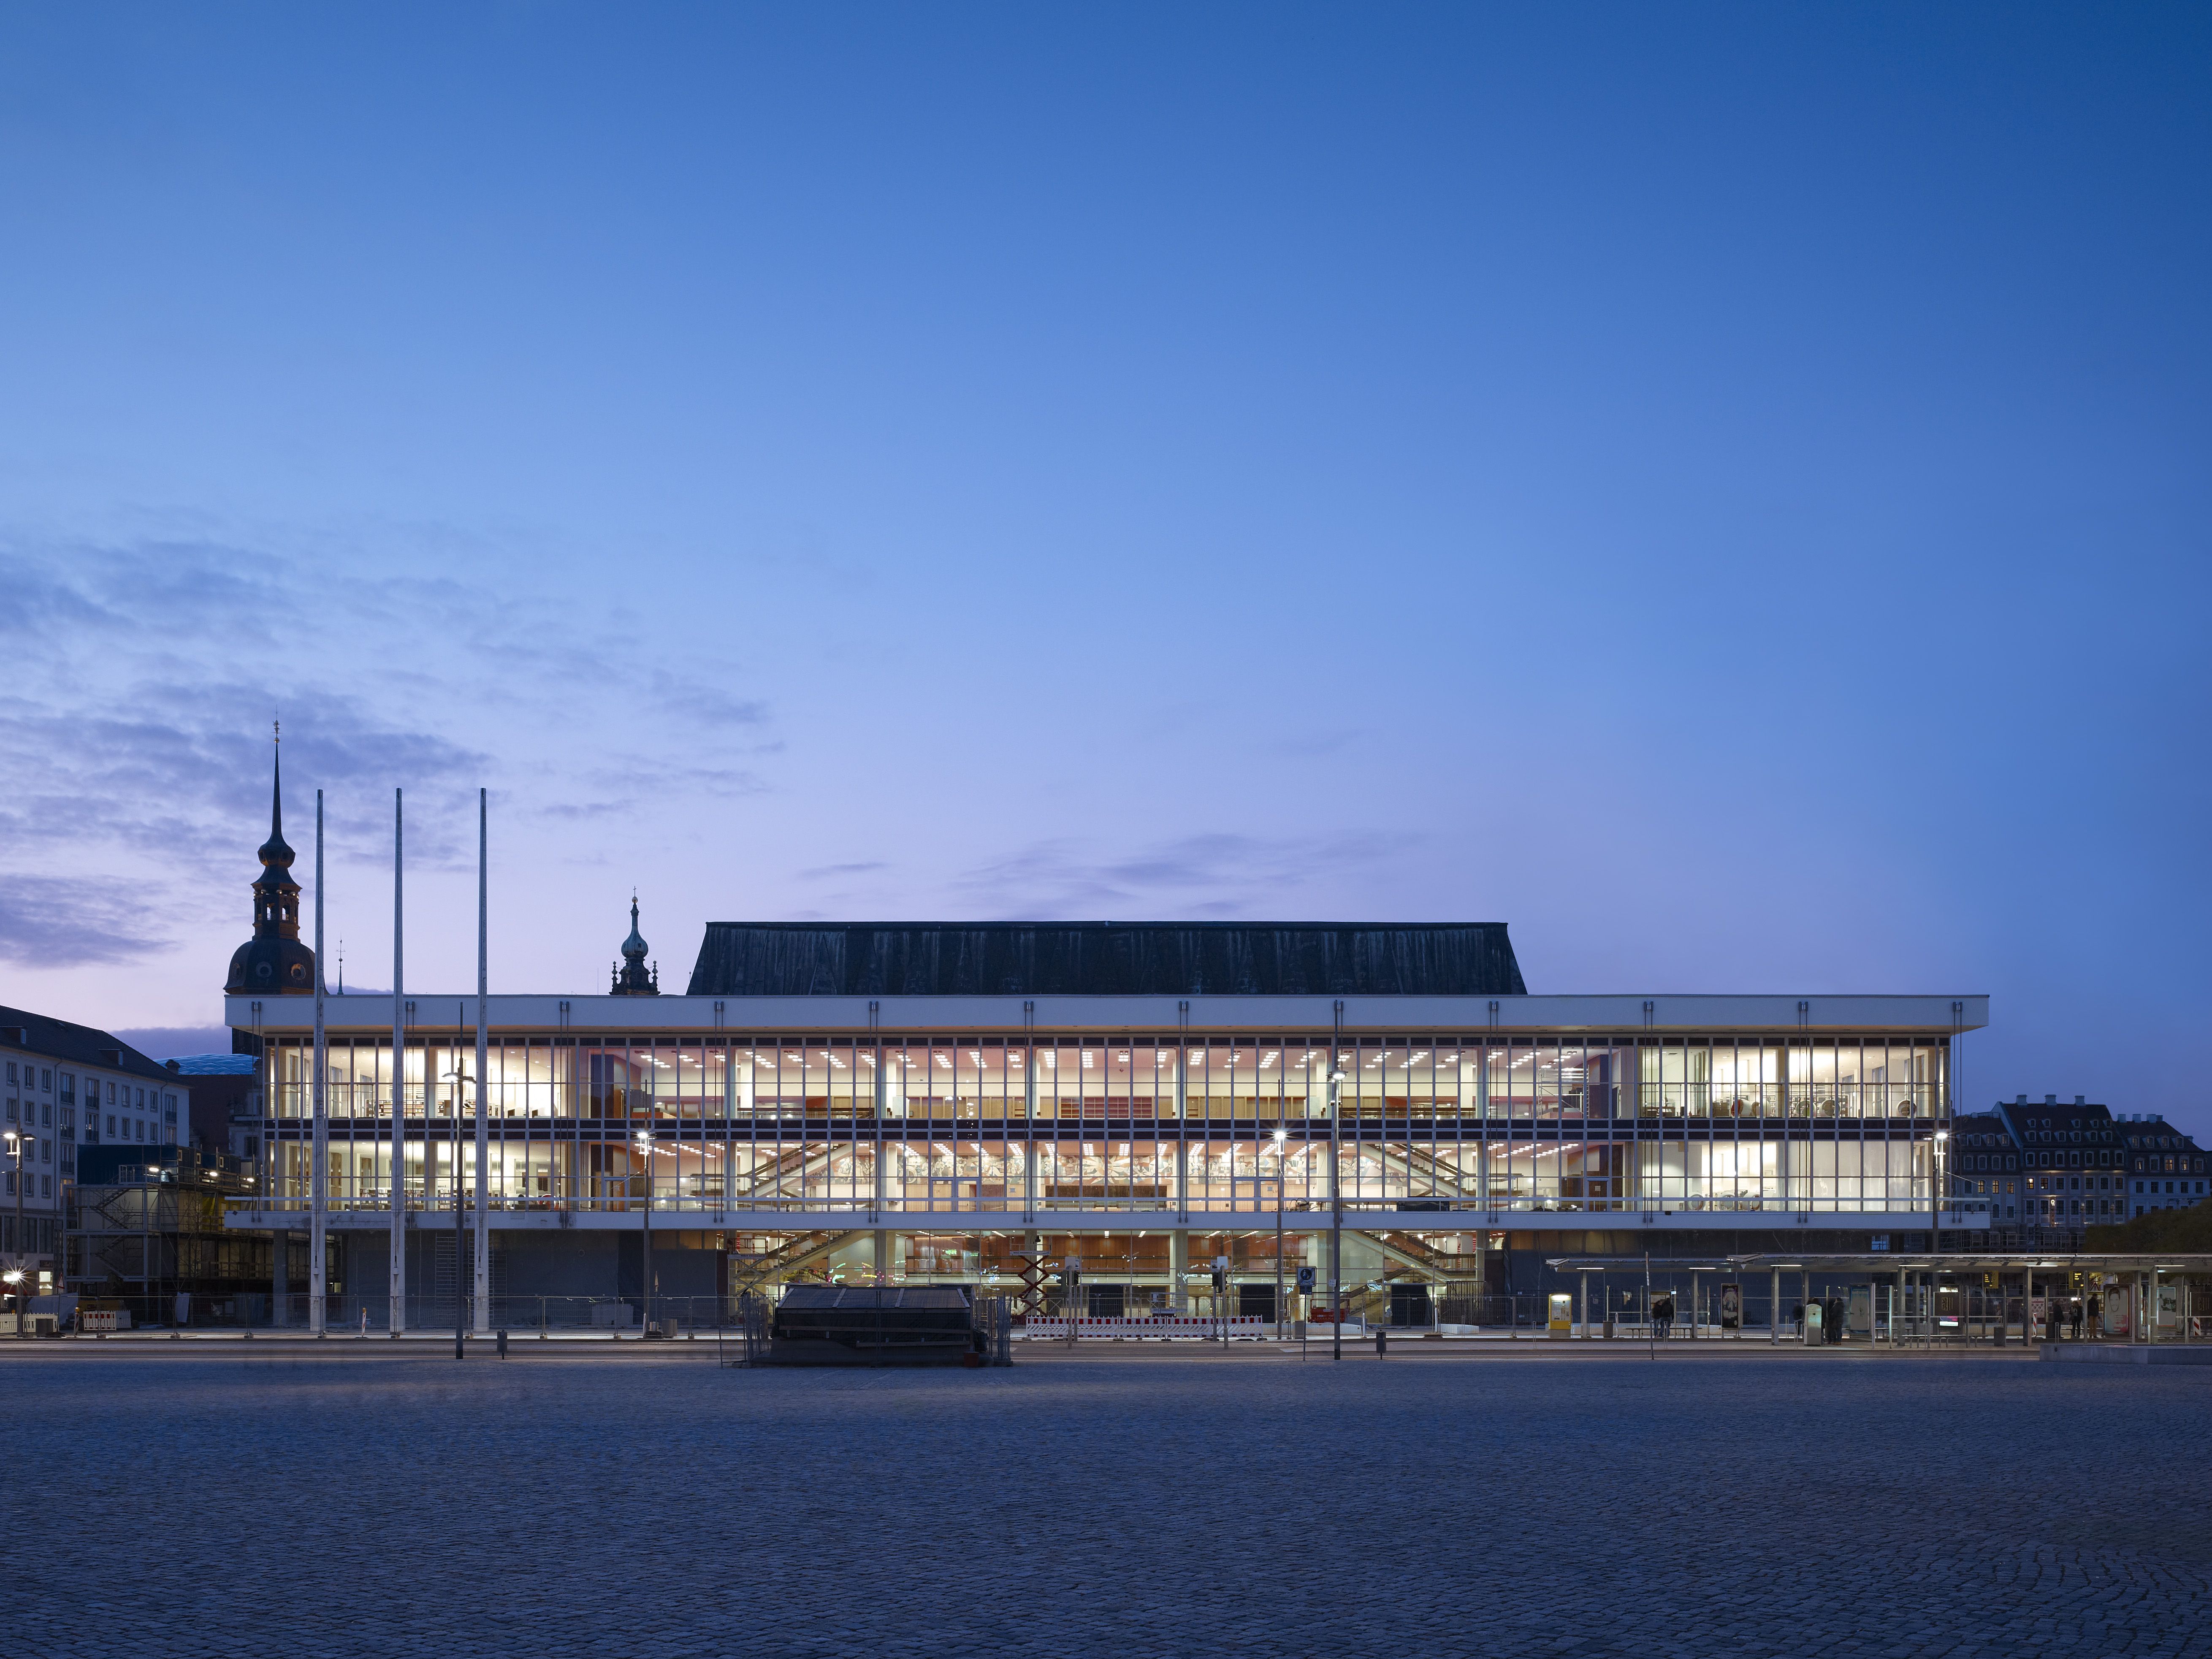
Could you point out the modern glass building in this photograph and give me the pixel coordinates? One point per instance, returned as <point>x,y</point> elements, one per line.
<point>1171,1101</point>
<point>853,1101</point>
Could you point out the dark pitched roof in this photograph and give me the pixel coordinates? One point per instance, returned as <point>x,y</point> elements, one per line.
<point>1105,958</point>
<point>80,1044</point>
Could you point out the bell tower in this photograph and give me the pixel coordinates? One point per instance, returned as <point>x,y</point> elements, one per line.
<point>631,979</point>
<point>273,962</point>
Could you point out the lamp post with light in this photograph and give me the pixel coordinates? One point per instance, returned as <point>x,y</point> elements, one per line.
<point>1281,1136</point>
<point>18,1145</point>
<point>1336,1212</point>
<point>1935,1220</point>
<point>644,1148</point>
<point>460,1078</point>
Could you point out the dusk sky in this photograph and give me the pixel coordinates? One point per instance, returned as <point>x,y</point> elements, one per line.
<point>1723,492</point>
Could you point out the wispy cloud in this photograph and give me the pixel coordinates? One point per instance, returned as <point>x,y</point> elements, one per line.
<point>1218,875</point>
<point>168,658</point>
<point>46,922</point>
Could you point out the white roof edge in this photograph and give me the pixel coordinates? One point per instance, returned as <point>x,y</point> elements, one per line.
<point>1658,1013</point>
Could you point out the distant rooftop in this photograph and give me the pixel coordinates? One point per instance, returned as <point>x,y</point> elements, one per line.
<point>1105,958</point>
<point>214,1065</point>
<point>63,1039</point>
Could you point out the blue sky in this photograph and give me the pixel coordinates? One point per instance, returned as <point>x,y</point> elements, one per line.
<point>1722,491</point>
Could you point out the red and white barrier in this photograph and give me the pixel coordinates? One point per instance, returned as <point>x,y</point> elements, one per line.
<point>1175,1325</point>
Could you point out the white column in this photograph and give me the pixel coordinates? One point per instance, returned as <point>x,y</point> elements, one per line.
<point>482,1321</point>
<point>398,1289</point>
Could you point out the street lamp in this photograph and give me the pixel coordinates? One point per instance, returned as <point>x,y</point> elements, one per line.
<point>1336,1215</point>
<point>458,1077</point>
<point>1936,1190</point>
<point>19,1145</point>
<point>644,1148</point>
<point>1281,1136</point>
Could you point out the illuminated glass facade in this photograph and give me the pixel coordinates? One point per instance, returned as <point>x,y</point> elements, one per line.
<point>1023,1123</point>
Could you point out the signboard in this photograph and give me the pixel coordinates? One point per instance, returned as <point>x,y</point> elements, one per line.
<point>1731,1307</point>
<point>1879,1242</point>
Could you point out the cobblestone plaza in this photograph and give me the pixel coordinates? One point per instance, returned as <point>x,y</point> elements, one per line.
<point>360,1501</point>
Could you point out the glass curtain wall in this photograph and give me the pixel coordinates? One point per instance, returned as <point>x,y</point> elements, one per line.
<point>992,1123</point>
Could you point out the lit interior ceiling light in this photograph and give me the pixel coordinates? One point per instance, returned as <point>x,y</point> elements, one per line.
<point>941,1060</point>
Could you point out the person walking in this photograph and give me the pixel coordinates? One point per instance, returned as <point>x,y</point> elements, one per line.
<point>1382,1342</point>
<point>1662,1317</point>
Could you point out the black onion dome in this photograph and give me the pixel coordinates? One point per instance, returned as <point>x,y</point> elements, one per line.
<point>274,962</point>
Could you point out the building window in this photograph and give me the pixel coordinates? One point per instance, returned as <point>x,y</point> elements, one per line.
<point>111,1128</point>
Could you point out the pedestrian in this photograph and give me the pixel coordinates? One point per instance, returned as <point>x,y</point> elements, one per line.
<point>1382,1342</point>
<point>1797,1316</point>
<point>1662,1317</point>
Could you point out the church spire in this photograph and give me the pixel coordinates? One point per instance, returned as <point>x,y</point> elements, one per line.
<point>274,961</point>
<point>631,979</point>
<point>275,851</point>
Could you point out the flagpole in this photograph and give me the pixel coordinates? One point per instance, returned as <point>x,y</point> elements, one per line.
<point>399,1316</point>
<point>318,1197</point>
<point>484,1006</point>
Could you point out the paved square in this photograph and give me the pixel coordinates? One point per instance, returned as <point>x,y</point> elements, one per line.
<point>277,1501</point>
